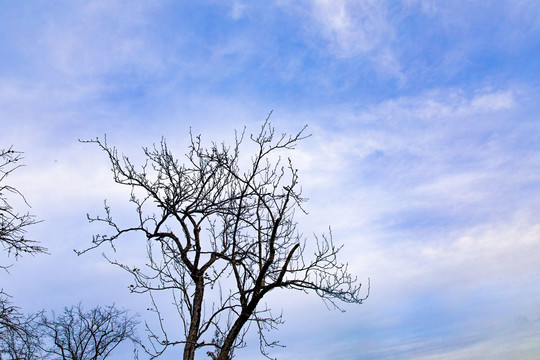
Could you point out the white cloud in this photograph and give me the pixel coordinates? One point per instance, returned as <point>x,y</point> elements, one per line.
<point>408,158</point>
<point>238,10</point>
<point>352,29</point>
<point>503,252</point>
<point>99,38</point>
<point>493,101</point>
<point>511,344</point>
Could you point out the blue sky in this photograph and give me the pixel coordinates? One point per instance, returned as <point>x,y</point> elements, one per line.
<point>424,159</point>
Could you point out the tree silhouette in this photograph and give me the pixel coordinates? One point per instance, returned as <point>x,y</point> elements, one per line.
<point>221,236</point>
<point>22,341</point>
<point>90,335</point>
<point>13,224</point>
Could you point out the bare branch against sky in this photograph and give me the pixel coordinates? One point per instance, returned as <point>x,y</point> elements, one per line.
<point>221,234</point>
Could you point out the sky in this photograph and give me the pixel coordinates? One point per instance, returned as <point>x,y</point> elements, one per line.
<point>424,156</point>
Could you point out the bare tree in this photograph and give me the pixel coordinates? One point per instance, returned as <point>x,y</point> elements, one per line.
<point>73,335</point>
<point>221,236</point>
<point>23,341</point>
<point>91,335</point>
<point>13,224</point>
<point>14,329</point>
<point>10,318</point>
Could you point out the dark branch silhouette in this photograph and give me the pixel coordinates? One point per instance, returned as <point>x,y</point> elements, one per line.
<point>22,341</point>
<point>13,224</point>
<point>221,234</point>
<point>14,330</point>
<point>90,335</point>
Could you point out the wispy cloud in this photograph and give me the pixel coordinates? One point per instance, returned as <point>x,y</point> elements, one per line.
<point>238,10</point>
<point>99,38</point>
<point>437,199</point>
<point>352,29</point>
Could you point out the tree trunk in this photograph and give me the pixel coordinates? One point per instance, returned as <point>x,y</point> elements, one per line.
<point>225,351</point>
<point>227,346</point>
<point>193,334</point>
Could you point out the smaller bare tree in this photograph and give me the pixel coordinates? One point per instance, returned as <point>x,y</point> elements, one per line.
<point>91,335</point>
<point>13,224</point>
<point>10,318</point>
<point>21,339</point>
<point>14,329</point>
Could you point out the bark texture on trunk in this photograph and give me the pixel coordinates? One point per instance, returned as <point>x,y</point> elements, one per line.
<point>193,334</point>
<point>225,351</point>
